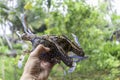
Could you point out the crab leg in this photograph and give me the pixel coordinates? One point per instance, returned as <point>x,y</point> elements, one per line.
<point>74,47</point>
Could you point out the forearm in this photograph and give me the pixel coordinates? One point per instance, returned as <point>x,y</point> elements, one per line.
<point>29,73</point>
<point>42,76</point>
<point>28,70</point>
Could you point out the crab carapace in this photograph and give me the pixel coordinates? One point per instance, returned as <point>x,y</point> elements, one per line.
<point>59,47</point>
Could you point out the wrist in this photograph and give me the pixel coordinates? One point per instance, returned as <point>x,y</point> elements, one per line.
<point>27,76</point>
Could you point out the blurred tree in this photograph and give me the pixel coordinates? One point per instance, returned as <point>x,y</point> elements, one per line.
<point>65,17</point>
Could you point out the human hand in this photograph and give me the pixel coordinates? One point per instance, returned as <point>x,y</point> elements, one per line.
<point>35,68</point>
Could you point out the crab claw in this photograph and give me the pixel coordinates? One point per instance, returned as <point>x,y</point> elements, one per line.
<point>72,68</point>
<point>78,58</point>
<point>75,60</point>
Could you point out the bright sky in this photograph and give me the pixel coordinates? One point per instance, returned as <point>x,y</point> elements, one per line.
<point>7,29</point>
<point>117,6</point>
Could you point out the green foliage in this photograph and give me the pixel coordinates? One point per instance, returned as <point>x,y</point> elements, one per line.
<point>85,22</point>
<point>9,69</point>
<point>3,11</point>
<point>4,49</point>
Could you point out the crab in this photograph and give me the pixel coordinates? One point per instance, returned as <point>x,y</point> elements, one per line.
<point>59,46</point>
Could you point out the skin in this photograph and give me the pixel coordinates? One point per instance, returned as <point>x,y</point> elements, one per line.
<point>36,69</point>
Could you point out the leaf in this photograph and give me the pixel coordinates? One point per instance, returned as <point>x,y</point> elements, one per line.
<point>28,6</point>
<point>3,6</point>
<point>115,71</point>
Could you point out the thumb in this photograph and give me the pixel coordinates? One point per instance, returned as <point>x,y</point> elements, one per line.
<point>38,50</point>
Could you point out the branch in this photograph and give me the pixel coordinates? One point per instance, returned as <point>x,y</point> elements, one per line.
<point>24,23</point>
<point>5,36</point>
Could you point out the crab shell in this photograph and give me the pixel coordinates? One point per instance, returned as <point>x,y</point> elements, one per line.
<point>59,47</point>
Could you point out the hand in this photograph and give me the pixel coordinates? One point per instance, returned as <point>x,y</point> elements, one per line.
<point>36,69</point>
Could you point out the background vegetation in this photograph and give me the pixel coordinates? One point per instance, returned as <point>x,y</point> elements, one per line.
<point>88,23</point>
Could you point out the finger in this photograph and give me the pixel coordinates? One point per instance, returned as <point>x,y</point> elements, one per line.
<point>38,50</point>
<point>46,65</point>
